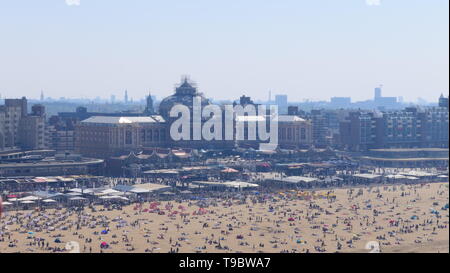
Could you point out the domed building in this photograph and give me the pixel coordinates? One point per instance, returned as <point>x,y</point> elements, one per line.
<point>184,95</point>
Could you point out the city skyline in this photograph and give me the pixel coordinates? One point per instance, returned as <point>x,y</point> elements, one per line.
<point>304,49</point>
<point>123,98</point>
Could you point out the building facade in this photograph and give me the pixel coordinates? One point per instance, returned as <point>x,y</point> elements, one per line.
<point>33,133</point>
<point>103,137</point>
<point>10,115</point>
<point>409,128</point>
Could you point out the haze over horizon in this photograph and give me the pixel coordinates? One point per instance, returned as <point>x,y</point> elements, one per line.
<point>305,49</point>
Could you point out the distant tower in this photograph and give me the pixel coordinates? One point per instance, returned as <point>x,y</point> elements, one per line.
<point>378,92</point>
<point>443,101</point>
<point>149,110</point>
<point>42,95</point>
<point>126,96</point>
<point>113,99</point>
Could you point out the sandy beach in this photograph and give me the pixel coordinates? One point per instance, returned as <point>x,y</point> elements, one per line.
<point>400,218</point>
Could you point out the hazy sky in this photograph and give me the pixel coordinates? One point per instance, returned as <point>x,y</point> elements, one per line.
<point>308,49</point>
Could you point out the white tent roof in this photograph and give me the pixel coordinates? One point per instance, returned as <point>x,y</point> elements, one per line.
<point>81,190</point>
<point>238,184</point>
<point>110,191</point>
<point>29,198</point>
<point>77,198</point>
<point>110,197</point>
<point>298,179</point>
<point>417,173</point>
<point>139,190</point>
<point>367,175</point>
<point>396,176</point>
<point>412,178</point>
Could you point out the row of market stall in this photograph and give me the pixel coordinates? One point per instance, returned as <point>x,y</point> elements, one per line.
<point>57,183</point>
<point>84,196</point>
<point>283,181</point>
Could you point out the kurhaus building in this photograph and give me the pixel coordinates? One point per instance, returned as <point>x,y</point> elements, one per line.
<point>108,136</point>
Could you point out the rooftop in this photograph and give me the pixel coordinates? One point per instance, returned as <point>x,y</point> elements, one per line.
<point>123,120</point>
<point>410,150</point>
<point>281,118</point>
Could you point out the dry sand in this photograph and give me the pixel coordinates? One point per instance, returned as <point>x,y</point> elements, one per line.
<point>281,223</point>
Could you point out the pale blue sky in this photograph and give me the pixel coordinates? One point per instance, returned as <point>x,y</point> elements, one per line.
<point>308,49</point>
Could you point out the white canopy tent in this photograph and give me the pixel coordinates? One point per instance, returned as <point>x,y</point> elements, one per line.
<point>29,198</point>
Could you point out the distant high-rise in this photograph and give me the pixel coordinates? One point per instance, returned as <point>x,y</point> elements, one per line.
<point>42,95</point>
<point>126,96</point>
<point>38,110</point>
<point>244,100</point>
<point>282,102</point>
<point>293,111</point>
<point>10,116</point>
<point>443,101</point>
<point>149,110</point>
<point>341,102</point>
<point>113,99</point>
<point>384,102</point>
<point>377,93</point>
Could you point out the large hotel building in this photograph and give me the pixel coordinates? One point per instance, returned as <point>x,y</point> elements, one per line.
<point>106,136</point>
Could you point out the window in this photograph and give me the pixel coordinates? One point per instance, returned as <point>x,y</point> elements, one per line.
<point>302,133</point>
<point>128,138</point>
<point>149,135</point>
